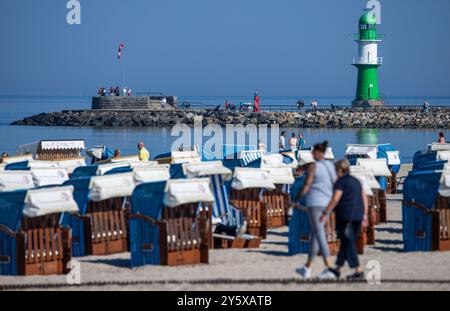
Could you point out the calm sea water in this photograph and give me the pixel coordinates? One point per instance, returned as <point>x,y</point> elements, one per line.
<point>159,141</point>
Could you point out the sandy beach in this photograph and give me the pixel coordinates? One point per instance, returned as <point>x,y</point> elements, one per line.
<point>266,269</point>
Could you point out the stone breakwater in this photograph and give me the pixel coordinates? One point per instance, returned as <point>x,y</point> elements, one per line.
<point>383,118</point>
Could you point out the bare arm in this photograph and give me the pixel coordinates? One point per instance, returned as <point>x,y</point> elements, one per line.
<point>366,207</point>
<point>337,195</point>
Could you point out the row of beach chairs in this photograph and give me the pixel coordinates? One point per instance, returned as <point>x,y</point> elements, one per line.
<point>426,203</point>
<point>161,212</point>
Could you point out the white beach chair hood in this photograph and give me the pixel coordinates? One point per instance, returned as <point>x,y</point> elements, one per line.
<point>367,179</point>
<point>202,169</point>
<point>17,159</point>
<point>126,159</point>
<point>15,180</point>
<point>248,178</point>
<point>111,186</point>
<point>49,176</point>
<point>305,157</point>
<point>185,191</point>
<point>41,202</point>
<point>179,157</point>
<point>377,166</point>
<point>105,168</point>
<point>151,174</point>
<point>439,147</point>
<point>370,151</point>
<point>281,175</point>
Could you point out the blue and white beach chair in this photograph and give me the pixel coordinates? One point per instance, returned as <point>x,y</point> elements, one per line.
<point>32,241</point>
<point>170,223</point>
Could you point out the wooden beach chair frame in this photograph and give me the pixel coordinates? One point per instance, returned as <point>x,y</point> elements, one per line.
<point>255,210</point>
<point>180,235</point>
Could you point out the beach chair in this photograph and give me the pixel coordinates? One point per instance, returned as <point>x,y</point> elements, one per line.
<point>32,241</point>
<point>278,200</point>
<point>101,228</point>
<point>222,210</point>
<point>170,223</point>
<point>246,194</point>
<point>381,151</point>
<point>426,211</point>
<point>381,171</point>
<point>16,159</point>
<point>371,188</point>
<point>53,150</point>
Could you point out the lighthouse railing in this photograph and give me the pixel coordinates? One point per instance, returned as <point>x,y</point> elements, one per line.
<point>366,61</point>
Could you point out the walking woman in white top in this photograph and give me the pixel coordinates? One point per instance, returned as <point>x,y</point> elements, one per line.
<point>293,143</point>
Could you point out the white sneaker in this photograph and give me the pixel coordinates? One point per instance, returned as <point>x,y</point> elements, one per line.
<point>327,275</point>
<point>304,272</point>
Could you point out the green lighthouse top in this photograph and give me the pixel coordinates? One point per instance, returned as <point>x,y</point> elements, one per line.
<point>368,19</point>
<point>368,28</point>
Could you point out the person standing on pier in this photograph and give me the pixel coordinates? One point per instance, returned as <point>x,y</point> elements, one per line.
<point>256,106</point>
<point>129,92</point>
<point>441,138</point>
<point>293,143</point>
<point>124,91</point>
<point>144,155</point>
<point>301,141</point>
<point>282,142</point>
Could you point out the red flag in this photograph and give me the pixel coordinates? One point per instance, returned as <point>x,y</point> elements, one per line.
<point>121,46</point>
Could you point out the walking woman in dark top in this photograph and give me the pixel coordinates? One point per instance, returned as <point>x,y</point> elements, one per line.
<point>351,207</point>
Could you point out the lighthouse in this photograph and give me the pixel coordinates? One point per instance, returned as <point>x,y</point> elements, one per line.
<point>367,63</point>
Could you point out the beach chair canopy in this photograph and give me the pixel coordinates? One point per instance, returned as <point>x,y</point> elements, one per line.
<point>272,160</point>
<point>102,169</point>
<point>366,178</point>
<point>143,164</point>
<point>290,158</point>
<point>152,174</point>
<point>443,155</point>
<point>422,187</point>
<point>439,147</point>
<point>49,176</point>
<point>249,156</point>
<point>230,151</point>
<point>203,169</point>
<point>52,145</point>
<point>185,191</point>
<point>249,178</point>
<point>305,157</point>
<point>17,159</point>
<point>15,180</point>
<point>11,208</point>
<point>111,186</point>
<point>71,164</point>
<point>45,201</point>
<point>377,166</point>
<point>369,151</point>
<point>179,157</point>
<point>281,175</point>
<point>127,159</point>
<point>36,164</point>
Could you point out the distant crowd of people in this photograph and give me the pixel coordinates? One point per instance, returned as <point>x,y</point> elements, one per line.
<point>250,107</point>
<point>294,143</point>
<point>115,91</point>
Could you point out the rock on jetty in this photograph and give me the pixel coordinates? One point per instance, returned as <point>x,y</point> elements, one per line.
<point>346,118</point>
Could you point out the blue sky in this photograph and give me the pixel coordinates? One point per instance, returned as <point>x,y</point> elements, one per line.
<point>219,47</point>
